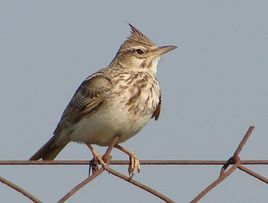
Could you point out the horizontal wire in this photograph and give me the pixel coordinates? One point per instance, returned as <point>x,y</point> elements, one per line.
<point>234,161</point>
<point>126,162</point>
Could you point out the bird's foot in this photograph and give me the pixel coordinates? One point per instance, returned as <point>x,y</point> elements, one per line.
<point>107,158</point>
<point>94,164</point>
<point>98,160</point>
<point>134,165</point>
<point>103,163</point>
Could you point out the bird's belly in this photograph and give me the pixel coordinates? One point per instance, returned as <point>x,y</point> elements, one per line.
<point>106,123</point>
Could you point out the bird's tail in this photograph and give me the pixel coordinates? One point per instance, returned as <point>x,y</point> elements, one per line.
<point>50,150</point>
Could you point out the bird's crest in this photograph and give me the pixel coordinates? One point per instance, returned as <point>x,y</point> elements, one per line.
<point>136,37</point>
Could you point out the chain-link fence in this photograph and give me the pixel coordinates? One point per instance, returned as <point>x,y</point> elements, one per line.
<point>228,167</point>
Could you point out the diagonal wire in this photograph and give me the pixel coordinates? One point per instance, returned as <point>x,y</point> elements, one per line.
<point>140,185</point>
<point>215,183</point>
<point>80,185</point>
<point>224,173</point>
<point>95,173</point>
<point>19,189</point>
<point>243,142</point>
<point>234,161</point>
<point>253,173</point>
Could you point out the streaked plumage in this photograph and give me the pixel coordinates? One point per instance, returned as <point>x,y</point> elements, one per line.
<point>116,101</point>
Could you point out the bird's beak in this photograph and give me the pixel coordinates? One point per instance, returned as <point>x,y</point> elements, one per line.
<point>164,49</point>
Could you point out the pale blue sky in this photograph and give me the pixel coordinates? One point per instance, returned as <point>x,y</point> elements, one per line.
<point>214,86</point>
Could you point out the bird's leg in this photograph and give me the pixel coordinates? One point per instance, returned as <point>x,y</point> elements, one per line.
<point>106,157</point>
<point>98,158</point>
<point>134,163</point>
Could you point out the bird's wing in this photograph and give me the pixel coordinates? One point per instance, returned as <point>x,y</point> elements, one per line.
<point>86,100</point>
<point>156,113</point>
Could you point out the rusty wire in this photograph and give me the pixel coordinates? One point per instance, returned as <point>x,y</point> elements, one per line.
<point>125,162</point>
<point>19,189</point>
<point>80,185</point>
<point>236,163</point>
<point>227,169</point>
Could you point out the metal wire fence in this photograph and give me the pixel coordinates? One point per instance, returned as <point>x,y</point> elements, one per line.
<point>228,167</point>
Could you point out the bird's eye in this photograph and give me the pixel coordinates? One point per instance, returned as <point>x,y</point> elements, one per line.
<point>139,51</point>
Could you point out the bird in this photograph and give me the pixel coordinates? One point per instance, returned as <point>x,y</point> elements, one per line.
<point>113,104</point>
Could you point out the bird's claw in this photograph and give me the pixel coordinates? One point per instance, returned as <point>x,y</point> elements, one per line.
<point>103,163</point>
<point>134,165</point>
<point>94,164</point>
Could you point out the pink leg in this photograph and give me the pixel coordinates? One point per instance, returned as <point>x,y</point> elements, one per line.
<point>98,157</point>
<point>134,165</point>
<point>110,148</point>
<point>106,158</point>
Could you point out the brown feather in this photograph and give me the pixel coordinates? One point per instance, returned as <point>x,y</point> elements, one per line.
<point>156,113</point>
<point>88,97</point>
<point>48,151</point>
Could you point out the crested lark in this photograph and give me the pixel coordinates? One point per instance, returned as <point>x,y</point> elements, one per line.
<point>113,104</point>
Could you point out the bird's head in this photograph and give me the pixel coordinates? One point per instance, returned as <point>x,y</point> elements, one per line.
<point>139,52</point>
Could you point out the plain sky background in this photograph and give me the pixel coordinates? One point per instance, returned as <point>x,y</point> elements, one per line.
<point>214,86</point>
